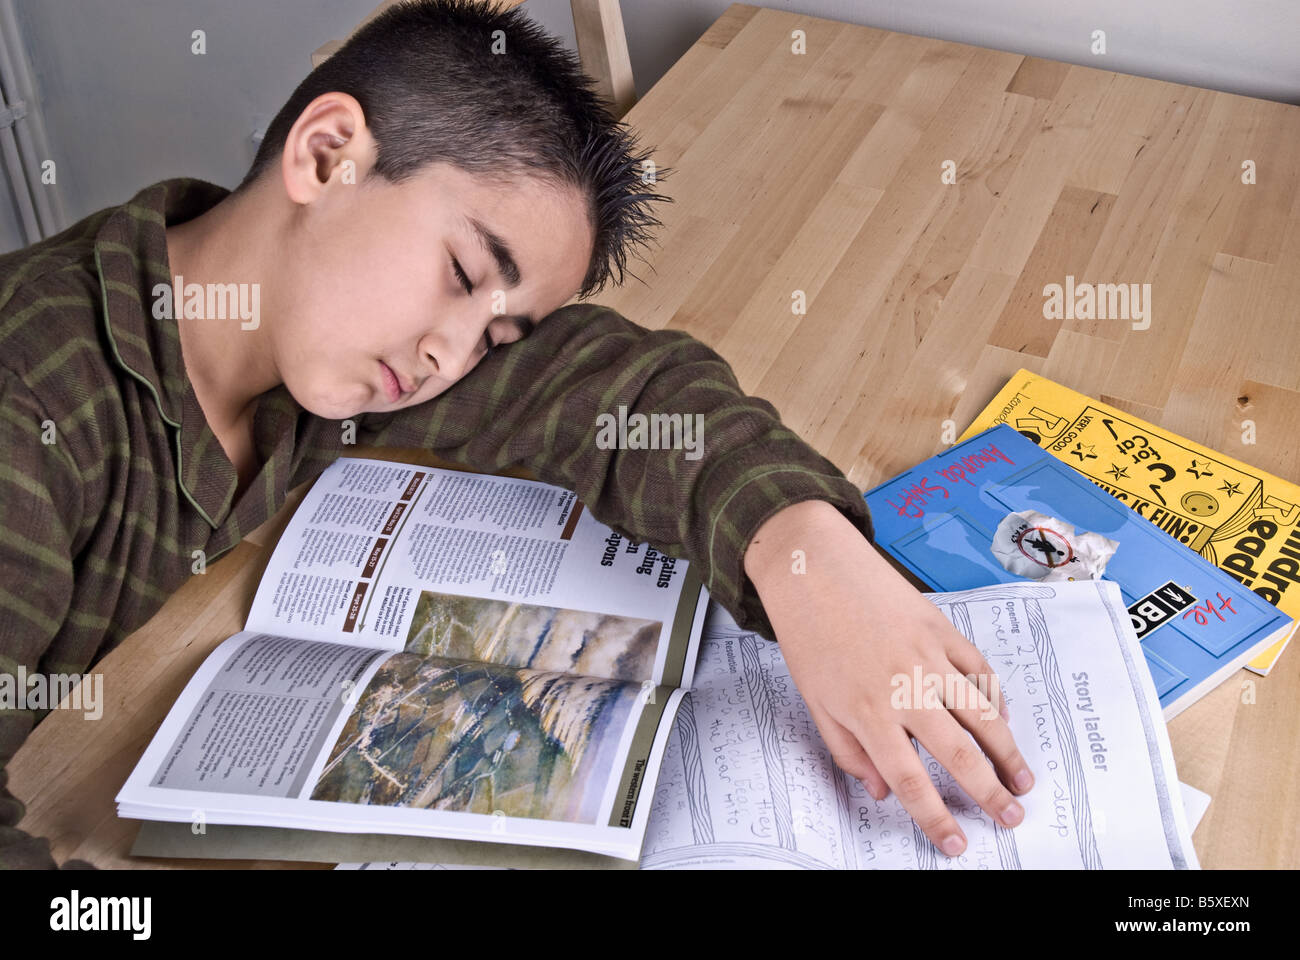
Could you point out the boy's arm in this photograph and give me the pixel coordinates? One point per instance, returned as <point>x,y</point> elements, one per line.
<point>849,622</point>
<point>535,403</point>
<point>40,498</point>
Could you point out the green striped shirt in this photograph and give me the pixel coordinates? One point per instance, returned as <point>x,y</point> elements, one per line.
<point>111,480</point>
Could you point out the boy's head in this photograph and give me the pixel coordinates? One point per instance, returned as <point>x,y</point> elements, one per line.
<point>444,180</point>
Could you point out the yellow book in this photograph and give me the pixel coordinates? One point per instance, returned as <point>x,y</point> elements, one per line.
<point>1244,521</point>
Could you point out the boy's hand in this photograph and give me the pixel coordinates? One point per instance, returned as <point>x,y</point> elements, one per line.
<point>849,624</point>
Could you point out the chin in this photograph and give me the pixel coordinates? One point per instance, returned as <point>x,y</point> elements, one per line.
<point>330,404</point>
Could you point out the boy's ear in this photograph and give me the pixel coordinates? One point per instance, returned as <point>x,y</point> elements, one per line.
<point>328,142</point>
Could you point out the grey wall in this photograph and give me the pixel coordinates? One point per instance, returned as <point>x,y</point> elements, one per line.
<point>11,231</point>
<point>126,103</point>
<point>1242,46</point>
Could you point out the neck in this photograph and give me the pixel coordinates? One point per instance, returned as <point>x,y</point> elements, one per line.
<point>227,355</point>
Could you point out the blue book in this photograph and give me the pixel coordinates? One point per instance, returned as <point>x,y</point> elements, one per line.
<point>1196,624</point>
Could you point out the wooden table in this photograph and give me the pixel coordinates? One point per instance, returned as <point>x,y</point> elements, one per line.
<point>822,172</point>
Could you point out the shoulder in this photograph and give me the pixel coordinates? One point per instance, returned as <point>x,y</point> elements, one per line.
<point>50,292</point>
<point>53,355</point>
<point>53,262</point>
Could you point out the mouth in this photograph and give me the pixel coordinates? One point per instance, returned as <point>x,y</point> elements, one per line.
<point>393,387</point>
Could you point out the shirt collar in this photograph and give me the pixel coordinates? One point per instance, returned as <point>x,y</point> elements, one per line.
<point>131,257</point>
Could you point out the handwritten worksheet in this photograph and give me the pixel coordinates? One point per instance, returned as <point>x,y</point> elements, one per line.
<point>747,781</point>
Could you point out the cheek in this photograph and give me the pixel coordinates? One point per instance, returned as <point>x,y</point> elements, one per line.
<point>326,374</point>
<point>357,277</point>
<point>333,397</point>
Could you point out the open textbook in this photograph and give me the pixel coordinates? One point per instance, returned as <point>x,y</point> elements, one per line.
<point>748,783</point>
<point>437,653</point>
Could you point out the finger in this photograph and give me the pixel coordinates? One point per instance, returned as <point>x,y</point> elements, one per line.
<point>899,764</point>
<point>848,754</point>
<point>962,757</point>
<point>975,712</point>
<point>966,657</point>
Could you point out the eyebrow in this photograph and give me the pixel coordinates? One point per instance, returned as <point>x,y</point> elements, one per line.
<point>505,260</point>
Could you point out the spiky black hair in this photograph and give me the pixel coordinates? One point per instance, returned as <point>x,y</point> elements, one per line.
<point>432,89</point>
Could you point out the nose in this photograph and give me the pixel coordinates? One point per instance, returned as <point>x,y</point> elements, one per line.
<point>452,353</point>
<point>448,368</point>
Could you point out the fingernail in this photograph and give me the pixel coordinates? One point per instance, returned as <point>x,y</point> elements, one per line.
<point>952,845</point>
<point>1003,710</point>
<point>1024,779</point>
<point>1012,813</point>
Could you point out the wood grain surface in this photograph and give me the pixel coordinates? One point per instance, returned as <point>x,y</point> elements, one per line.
<point>819,174</point>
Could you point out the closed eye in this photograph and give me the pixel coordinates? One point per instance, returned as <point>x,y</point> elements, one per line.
<point>460,275</point>
<point>489,346</point>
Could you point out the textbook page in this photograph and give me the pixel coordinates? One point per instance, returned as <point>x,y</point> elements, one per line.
<point>283,732</point>
<point>478,567</point>
<point>1195,803</point>
<point>748,782</point>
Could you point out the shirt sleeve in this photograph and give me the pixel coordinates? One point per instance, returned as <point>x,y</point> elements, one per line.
<point>552,401</point>
<point>40,507</point>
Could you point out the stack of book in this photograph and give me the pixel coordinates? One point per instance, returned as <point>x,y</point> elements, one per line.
<point>997,508</point>
<point>1236,517</point>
